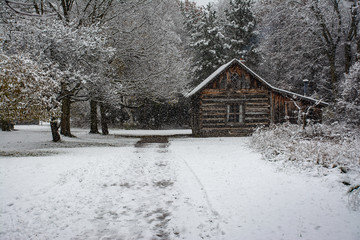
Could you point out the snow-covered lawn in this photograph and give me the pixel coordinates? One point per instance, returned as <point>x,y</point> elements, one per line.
<point>109,187</point>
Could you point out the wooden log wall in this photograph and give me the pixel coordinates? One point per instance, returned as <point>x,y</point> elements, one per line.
<point>258,105</point>
<point>211,112</point>
<point>287,109</point>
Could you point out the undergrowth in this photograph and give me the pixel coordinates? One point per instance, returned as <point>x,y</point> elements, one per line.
<point>328,148</point>
<point>327,145</point>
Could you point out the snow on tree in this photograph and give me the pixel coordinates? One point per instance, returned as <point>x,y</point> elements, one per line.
<point>207,44</point>
<point>308,46</point>
<point>349,102</point>
<point>241,37</point>
<point>74,52</point>
<point>28,90</point>
<point>105,51</point>
<point>150,61</point>
<point>149,50</point>
<point>287,60</point>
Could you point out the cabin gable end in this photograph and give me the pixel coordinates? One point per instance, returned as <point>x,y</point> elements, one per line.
<point>234,101</point>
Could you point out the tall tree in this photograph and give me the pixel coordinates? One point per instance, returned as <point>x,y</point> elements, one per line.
<point>76,53</point>
<point>207,45</point>
<point>150,62</point>
<point>352,36</point>
<point>308,45</point>
<point>240,25</point>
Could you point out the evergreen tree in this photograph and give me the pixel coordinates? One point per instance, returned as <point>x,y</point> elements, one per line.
<point>240,32</point>
<point>206,42</point>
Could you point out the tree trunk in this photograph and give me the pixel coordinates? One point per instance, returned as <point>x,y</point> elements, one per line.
<point>358,49</point>
<point>333,75</point>
<point>351,35</point>
<point>65,117</point>
<point>347,49</point>
<point>104,120</point>
<point>55,130</point>
<point>131,120</point>
<point>93,117</point>
<point>5,125</point>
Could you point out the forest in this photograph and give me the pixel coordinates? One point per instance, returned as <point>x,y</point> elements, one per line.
<point>129,63</point>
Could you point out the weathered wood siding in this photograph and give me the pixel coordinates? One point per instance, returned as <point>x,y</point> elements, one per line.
<point>210,114</point>
<point>286,109</point>
<point>234,102</point>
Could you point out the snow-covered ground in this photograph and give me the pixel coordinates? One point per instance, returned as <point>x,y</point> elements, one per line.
<point>109,187</point>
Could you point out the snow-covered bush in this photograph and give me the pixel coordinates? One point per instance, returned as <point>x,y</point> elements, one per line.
<point>320,149</point>
<point>329,146</point>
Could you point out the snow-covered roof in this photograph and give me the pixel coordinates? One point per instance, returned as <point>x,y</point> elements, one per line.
<point>224,67</point>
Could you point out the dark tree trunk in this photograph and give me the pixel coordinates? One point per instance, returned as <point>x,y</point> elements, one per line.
<point>333,74</point>
<point>347,57</point>
<point>93,117</point>
<point>55,130</point>
<point>66,7</point>
<point>358,49</point>
<point>351,36</point>
<point>5,125</point>
<point>104,120</point>
<point>65,117</point>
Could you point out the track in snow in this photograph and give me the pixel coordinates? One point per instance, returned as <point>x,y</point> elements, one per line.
<point>177,188</point>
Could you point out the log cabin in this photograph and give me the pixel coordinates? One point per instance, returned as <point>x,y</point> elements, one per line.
<point>234,101</point>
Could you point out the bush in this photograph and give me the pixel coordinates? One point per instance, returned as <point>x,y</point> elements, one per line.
<point>327,149</point>
<point>329,146</point>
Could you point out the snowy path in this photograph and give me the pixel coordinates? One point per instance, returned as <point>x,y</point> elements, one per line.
<point>256,201</point>
<point>214,188</point>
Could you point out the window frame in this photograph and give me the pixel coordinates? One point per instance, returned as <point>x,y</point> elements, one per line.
<point>235,81</point>
<point>235,113</point>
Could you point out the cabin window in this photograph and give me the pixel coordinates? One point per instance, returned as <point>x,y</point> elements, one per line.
<point>238,82</point>
<point>235,81</point>
<point>235,113</point>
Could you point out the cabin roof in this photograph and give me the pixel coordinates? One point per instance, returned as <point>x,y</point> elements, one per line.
<point>226,66</point>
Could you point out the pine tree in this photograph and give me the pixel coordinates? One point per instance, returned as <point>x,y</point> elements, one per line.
<point>240,31</point>
<point>206,42</point>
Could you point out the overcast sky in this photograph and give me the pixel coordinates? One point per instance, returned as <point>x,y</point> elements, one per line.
<point>203,2</point>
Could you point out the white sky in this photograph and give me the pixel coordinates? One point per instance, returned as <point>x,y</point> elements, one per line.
<point>203,2</point>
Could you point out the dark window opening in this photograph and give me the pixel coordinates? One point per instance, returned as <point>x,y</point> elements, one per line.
<point>235,113</point>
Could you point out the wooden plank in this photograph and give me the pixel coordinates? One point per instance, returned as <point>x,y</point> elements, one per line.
<point>215,105</point>
<point>211,121</point>
<point>211,91</point>
<point>212,108</point>
<point>234,96</point>
<point>266,116</point>
<point>227,100</point>
<point>213,112</point>
<point>262,123</point>
<point>257,113</point>
<point>257,110</point>
<point>257,104</point>
<point>214,116</point>
<point>249,120</point>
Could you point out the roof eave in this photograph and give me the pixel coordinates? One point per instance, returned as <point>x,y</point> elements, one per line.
<point>224,67</point>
